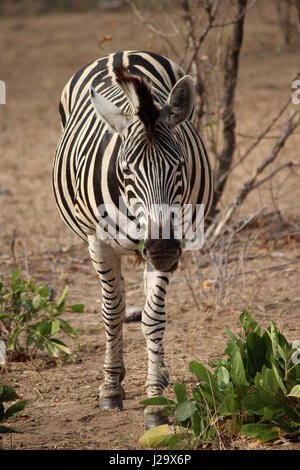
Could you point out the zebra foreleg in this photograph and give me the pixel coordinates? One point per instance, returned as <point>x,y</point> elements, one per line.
<point>108,266</point>
<point>153,326</point>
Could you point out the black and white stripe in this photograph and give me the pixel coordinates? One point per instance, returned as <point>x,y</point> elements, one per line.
<point>96,165</point>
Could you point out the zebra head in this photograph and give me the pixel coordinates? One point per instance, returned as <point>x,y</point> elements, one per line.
<point>152,162</point>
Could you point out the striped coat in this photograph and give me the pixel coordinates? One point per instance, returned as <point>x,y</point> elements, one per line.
<point>128,136</point>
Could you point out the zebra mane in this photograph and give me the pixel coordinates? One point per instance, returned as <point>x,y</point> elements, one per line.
<point>138,92</point>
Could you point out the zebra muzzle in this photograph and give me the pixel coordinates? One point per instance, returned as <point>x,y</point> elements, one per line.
<point>162,254</point>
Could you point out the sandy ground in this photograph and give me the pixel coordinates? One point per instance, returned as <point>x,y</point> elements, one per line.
<point>38,55</point>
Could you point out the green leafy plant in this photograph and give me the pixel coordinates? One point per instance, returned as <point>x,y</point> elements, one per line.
<point>8,394</point>
<point>29,321</point>
<point>254,390</point>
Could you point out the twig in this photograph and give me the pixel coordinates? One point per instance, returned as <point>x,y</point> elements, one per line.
<point>195,65</point>
<point>276,267</point>
<point>150,25</point>
<point>235,20</point>
<point>211,18</point>
<point>257,141</point>
<point>216,228</point>
<point>189,281</point>
<point>13,245</point>
<point>273,173</point>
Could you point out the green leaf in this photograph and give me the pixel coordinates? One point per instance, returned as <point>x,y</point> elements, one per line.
<point>37,301</point>
<point>62,298</point>
<point>157,401</point>
<point>4,315</point>
<point>173,442</point>
<point>30,339</point>
<point>234,339</point>
<point>203,374</point>
<point>77,308</point>
<point>295,392</point>
<point>277,339</point>
<point>60,345</point>
<point>278,378</point>
<point>15,275</point>
<point>254,404</point>
<point>261,431</point>
<point>7,429</point>
<point>269,380</point>
<point>51,348</point>
<point>238,372</point>
<point>200,371</point>
<point>256,351</point>
<point>44,291</point>
<point>291,413</point>
<point>268,414</point>
<point>141,244</point>
<point>233,344</point>
<point>27,305</point>
<point>223,377</point>
<point>44,327</point>
<point>203,393</point>
<point>197,423</point>
<point>185,410</point>
<point>15,409</point>
<point>230,405</point>
<point>67,328</point>
<point>2,413</point>
<point>157,437</point>
<point>181,393</point>
<point>55,327</point>
<point>249,325</point>
<point>7,393</point>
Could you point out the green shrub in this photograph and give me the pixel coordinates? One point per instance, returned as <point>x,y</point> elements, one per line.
<point>29,321</point>
<point>8,394</point>
<point>254,391</point>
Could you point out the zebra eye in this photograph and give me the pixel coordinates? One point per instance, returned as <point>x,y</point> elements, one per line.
<point>180,164</point>
<point>125,168</point>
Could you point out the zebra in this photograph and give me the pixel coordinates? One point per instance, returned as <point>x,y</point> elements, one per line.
<point>127,134</point>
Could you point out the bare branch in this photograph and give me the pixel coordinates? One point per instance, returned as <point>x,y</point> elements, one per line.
<point>212,13</point>
<point>195,64</point>
<point>257,141</point>
<point>236,19</point>
<point>151,26</point>
<point>228,116</point>
<point>216,228</point>
<point>273,173</point>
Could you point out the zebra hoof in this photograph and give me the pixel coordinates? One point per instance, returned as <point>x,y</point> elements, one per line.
<point>109,403</point>
<point>111,398</point>
<point>153,417</point>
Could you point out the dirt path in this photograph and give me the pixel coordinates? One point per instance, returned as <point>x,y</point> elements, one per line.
<point>39,55</point>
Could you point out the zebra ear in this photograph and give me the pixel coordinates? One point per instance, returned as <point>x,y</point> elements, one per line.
<point>114,117</point>
<point>180,102</point>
